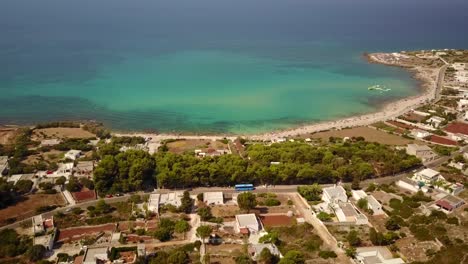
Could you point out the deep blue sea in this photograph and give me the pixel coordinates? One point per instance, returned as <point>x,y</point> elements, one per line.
<point>230,66</point>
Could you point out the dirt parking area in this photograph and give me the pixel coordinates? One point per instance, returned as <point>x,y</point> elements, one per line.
<point>185,145</point>
<point>27,207</point>
<point>370,134</point>
<point>60,133</point>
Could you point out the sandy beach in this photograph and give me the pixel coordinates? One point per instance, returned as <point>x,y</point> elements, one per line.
<point>429,81</point>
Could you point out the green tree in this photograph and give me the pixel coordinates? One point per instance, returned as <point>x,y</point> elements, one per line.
<point>362,203</point>
<point>266,257</point>
<point>271,237</point>
<point>102,207</point>
<point>36,252</point>
<point>186,203</point>
<point>353,238</point>
<point>73,185</point>
<point>23,186</point>
<point>293,257</point>
<point>310,192</point>
<point>181,227</point>
<point>247,201</point>
<point>205,213</point>
<point>61,180</point>
<point>203,232</point>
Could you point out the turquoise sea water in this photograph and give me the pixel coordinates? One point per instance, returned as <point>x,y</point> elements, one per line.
<point>214,66</point>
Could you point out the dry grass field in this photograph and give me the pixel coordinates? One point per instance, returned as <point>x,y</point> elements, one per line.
<point>7,135</point>
<point>372,135</point>
<point>28,206</point>
<point>60,133</point>
<point>182,146</point>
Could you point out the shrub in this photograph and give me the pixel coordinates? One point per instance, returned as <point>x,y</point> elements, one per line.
<point>327,254</point>
<point>272,202</point>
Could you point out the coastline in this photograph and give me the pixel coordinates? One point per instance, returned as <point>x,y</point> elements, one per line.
<point>428,84</point>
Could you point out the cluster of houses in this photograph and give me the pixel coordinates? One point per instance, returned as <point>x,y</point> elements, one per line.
<point>429,180</point>
<point>335,201</point>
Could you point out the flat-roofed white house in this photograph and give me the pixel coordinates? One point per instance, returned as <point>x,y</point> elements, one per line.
<point>173,198</point>
<point>213,198</point>
<point>419,133</point>
<point>153,202</point>
<point>358,194</point>
<point>72,154</point>
<point>347,213</point>
<point>96,255</point>
<point>427,176</point>
<point>422,152</point>
<point>435,121</point>
<point>376,255</point>
<point>46,240</point>
<point>247,224</point>
<point>334,194</point>
<point>64,169</point>
<point>84,169</point>
<point>374,205</point>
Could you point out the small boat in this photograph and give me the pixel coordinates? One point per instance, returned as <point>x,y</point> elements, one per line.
<point>378,87</point>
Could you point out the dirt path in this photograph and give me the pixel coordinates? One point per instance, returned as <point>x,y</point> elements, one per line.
<point>320,228</point>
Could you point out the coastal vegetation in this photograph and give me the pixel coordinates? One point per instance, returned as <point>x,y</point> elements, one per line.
<point>287,163</point>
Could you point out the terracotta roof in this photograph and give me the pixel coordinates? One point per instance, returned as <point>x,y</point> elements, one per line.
<point>443,141</point>
<point>276,220</point>
<point>244,230</point>
<point>84,195</point>
<point>444,204</point>
<point>457,128</point>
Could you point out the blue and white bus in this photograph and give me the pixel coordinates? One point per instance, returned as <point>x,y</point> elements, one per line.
<point>244,187</point>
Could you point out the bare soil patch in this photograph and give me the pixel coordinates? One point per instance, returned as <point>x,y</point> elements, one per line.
<point>75,234</point>
<point>369,134</point>
<point>61,133</point>
<point>8,135</point>
<point>190,145</point>
<point>227,212</point>
<point>27,207</point>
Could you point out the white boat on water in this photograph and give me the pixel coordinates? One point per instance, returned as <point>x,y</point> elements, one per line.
<point>378,87</point>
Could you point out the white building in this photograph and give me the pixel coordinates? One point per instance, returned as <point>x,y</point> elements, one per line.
<point>49,142</point>
<point>46,240</point>
<point>213,198</point>
<point>38,225</point>
<point>174,198</point>
<point>435,121</point>
<point>427,176</point>
<point>422,152</point>
<point>72,154</point>
<point>3,165</point>
<point>462,104</point>
<point>376,255</point>
<point>420,134</point>
<point>374,205</point>
<point>358,194</point>
<point>95,255</point>
<point>84,169</point>
<point>153,202</point>
<point>247,224</point>
<point>64,169</point>
<point>346,212</point>
<point>334,194</point>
